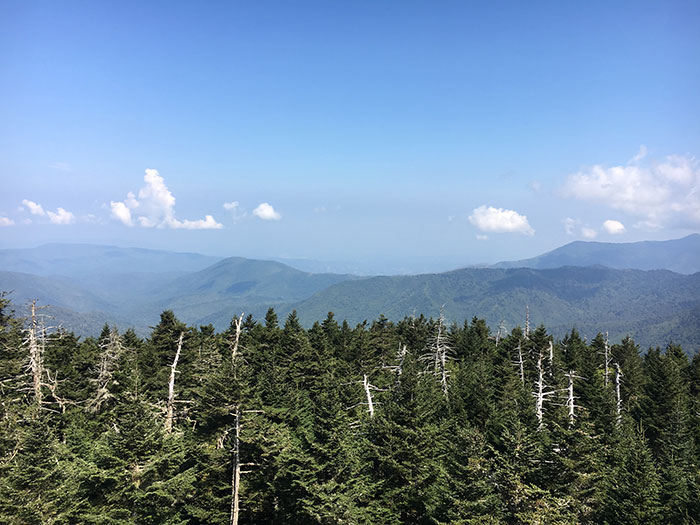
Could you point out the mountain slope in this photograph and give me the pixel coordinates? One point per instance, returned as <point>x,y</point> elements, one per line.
<point>57,291</point>
<point>72,306</point>
<point>217,293</point>
<point>677,255</point>
<point>650,305</point>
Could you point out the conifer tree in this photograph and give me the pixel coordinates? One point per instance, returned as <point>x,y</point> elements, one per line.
<point>631,487</point>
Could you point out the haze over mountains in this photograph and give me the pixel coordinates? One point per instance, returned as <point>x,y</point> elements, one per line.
<point>650,290</point>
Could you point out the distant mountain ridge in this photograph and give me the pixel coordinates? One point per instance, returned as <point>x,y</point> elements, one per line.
<point>654,307</point>
<point>678,255</point>
<point>78,260</point>
<point>89,285</point>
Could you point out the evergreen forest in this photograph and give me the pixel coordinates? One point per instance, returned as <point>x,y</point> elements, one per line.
<point>418,421</point>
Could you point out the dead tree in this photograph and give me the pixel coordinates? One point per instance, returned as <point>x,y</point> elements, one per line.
<point>541,393</point>
<point>438,354</point>
<point>236,468</point>
<point>400,357</point>
<point>520,363</point>
<point>618,382</point>
<point>238,323</point>
<point>527,322</point>
<point>501,329</point>
<point>236,463</point>
<point>52,385</point>
<point>368,388</point>
<point>368,393</point>
<point>111,351</point>
<point>551,359</point>
<point>570,398</point>
<point>35,341</point>
<point>170,407</point>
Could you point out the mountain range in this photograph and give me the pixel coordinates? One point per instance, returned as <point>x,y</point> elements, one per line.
<point>677,255</point>
<point>650,290</point>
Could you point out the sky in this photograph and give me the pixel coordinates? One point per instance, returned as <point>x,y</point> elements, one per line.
<point>475,131</point>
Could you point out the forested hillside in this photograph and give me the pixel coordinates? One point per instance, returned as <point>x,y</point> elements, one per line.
<point>89,285</point>
<point>677,255</point>
<point>414,421</point>
<point>654,307</point>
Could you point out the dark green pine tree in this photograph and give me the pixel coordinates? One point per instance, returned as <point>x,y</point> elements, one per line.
<point>666,415</point>
<point>13,398</point>
<point>138,474</point>
<point>694,391</point>
<point>574,352</point>
<point>630,491</point>
<point>597,400</point>
<point>473,384</point>
<point>408,445</point>
<point>39,484</point>
<point>223,395</point>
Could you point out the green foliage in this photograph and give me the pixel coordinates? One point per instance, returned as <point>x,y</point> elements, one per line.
<point>291,410</point>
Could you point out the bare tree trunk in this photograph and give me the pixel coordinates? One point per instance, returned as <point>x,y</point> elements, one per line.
<point>170,410</point>
<point>551,359</point>
<point>368,392</point>
<point>521,363</point>
<point>501,328</point>
<point>438,345</point>
<point>234,347</point>
<point>36,358</point>
<point>236,471</point>
<point>527,321</point>
<point>618,381</point>
<point>112,349</point>
<point>539,395</point>
<point>570,398</point>
<point>401,356</point>
<point>443,368</point>
<point>438,351</point>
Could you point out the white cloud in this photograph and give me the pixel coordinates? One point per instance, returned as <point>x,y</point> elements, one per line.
<point>34,208</point>
<point>208,223</point>
<point>231,206</point>
<point>266,212</point>
<point>498,220</point>
<point>61,217</point>
<point>613,227</point>
<point>588,233</point>
<point>154,207</point>
<point>5,221</point>
<point>482,237</point>
<point>121,211</point>
<point>659,194</point>
<point>570,225</point>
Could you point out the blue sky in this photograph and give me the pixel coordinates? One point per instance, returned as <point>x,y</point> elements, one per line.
<point>349,130</point>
